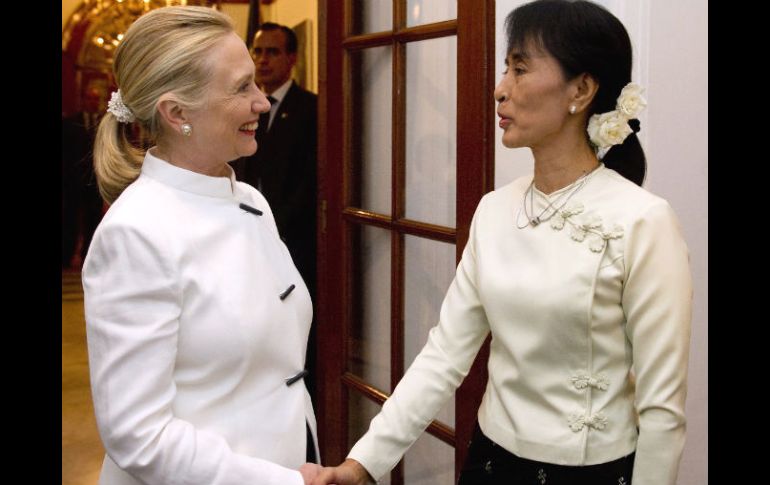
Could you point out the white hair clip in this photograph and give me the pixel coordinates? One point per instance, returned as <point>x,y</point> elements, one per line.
<point>119,109</point>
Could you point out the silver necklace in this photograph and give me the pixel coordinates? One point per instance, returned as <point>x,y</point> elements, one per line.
<point>535,220</point>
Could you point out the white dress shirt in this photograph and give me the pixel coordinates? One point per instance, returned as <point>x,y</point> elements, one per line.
<point>189,342</point>
<point>573,304</point>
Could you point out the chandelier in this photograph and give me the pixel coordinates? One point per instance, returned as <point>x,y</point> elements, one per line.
<point>107,22</point>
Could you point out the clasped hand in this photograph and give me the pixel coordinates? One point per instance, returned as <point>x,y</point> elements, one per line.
<point>350,472</point>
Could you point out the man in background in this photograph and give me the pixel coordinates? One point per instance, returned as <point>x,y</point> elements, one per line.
<point>284,166</point>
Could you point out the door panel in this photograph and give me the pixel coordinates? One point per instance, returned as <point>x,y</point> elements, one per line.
<point>371,16</point>
<point>360,412</point>
<point>404,156</point>
<point>421,12</point>
<point>428,271</point>
<point>370,130</point>
<point>431,130</point>
<point>369,338</point>
<point>429,462</point>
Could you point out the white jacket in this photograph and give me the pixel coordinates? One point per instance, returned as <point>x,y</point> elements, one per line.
<point>573,305</point>
<point>189,343</point>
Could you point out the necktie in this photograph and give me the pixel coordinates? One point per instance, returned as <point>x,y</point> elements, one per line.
<point>264,118</point>
<point>264,121</point>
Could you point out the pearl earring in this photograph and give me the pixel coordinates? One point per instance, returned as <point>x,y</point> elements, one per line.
<point>572,109</point>
<point>186,129</point>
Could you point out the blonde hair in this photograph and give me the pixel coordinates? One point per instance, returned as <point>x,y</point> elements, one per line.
<point>164,51</point>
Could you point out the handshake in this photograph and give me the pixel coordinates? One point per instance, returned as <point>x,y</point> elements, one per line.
<point>350,472</point>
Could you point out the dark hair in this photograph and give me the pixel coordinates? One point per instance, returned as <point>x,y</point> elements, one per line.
<point>291,37</point>
<point>583,37</point>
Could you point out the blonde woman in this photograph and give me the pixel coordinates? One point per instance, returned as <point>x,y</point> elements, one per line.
<point>197,319</point>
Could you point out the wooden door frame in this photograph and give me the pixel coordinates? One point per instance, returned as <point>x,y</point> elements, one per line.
<point>475,27</point>
<point>475,173</point>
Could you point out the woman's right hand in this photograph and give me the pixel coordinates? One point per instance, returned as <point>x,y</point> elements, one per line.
<point>350,472</point>
<point>309,471</point>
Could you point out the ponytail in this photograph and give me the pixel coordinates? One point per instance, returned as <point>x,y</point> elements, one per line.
<point>628,159</point>
<point>117,162</point>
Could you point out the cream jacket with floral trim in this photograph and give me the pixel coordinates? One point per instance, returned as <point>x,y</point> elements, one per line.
<point>575,305</point>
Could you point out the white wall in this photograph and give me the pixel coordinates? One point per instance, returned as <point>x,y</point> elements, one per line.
<point>291,13</point>
<point>670,41</point>
<point>239,12</point>
<point>678,134</point>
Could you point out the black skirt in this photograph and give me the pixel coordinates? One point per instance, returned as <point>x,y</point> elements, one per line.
<point>489,464</point>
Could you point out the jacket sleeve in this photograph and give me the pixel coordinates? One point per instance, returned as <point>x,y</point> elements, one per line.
<point>657,301</point>
<point>132,309</point>
<point>435,374</point>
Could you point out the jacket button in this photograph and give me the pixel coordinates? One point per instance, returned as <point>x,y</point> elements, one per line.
<point>488,467</point>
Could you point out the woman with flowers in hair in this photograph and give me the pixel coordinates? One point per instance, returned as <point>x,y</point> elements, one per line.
<point>580,275</point>
<point>197,320</point>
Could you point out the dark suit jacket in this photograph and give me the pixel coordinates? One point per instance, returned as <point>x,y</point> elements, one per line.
<point>284,168</point>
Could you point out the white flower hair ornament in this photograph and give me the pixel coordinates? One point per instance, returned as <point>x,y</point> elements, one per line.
<point>119,109</point>
<point>612,128</point>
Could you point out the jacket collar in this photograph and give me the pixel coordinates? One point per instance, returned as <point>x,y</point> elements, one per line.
<point>187,180</point>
